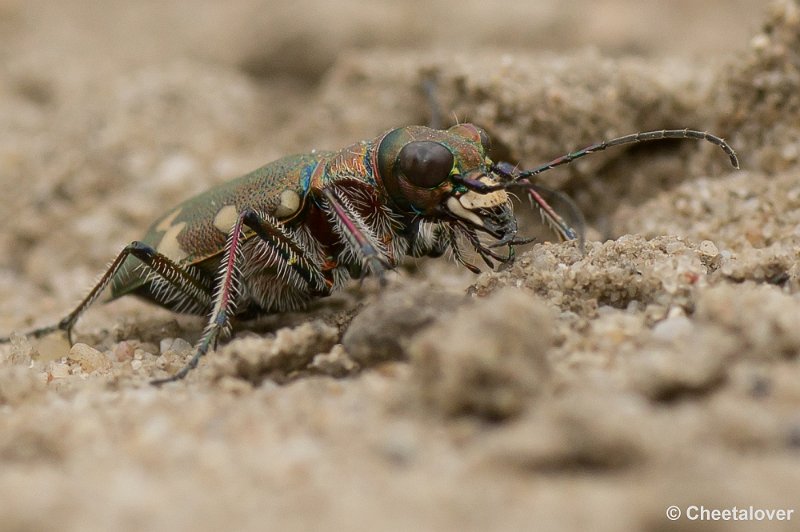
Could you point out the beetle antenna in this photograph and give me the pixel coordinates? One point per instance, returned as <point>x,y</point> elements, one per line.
<point>635,138</point>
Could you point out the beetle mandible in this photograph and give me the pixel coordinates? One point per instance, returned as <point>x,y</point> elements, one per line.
<point>301,226</point>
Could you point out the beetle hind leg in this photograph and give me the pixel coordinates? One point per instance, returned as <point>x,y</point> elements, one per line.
<point>185,283</point>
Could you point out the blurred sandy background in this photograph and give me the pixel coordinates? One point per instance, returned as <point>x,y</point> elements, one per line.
<point>567,393</point>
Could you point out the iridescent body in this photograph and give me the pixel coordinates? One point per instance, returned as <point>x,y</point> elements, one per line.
<point>194,233</point>
<point>301,226</point>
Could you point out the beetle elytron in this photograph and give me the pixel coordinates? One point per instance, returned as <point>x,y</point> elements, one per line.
<point>299,227</point>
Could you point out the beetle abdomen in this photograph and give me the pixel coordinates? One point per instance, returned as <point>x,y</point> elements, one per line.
<point>194,233</point>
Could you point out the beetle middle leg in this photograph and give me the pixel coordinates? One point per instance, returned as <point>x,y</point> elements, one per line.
<point>289,256</point>
<point>224,302</point>
<point>289,251</point>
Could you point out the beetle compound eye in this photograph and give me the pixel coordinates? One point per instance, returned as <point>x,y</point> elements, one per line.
<point>425,163</point>
<point>486,142</point>
<point>473,133</point>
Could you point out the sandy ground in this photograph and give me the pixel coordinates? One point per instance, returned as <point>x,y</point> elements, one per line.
<point>567,392</point>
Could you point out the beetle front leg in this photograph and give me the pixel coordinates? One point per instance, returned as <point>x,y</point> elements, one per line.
<point>188,285</point>
<point>357,235</point>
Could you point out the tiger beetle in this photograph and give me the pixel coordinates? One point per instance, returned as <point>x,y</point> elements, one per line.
<point>298,228</point>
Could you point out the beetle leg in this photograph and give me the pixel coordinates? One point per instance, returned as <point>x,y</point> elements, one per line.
<point>544,197</point>
<point>426,239</point>
<point>162,266</point>
<point>451,240</point>
<point>224,301</point>
<point>485,251</point>
<point>429,88</point>
<point>351,226</point>
<point>433,240</point>
<point>541,197</point>
<point>290,252</point>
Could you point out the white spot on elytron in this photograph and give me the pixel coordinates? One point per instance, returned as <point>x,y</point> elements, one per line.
<point>169,244</point>
<point>166,223</point>
<point>226,218</point>
<point>472,200</point>
<point>290,202</point>
<point>456,208</point>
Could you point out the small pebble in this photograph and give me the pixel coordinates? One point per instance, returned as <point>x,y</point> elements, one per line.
<point>89,358</point>
<point>58,370</point>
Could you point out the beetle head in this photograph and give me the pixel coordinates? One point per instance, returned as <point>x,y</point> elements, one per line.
<point>423,172</point>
